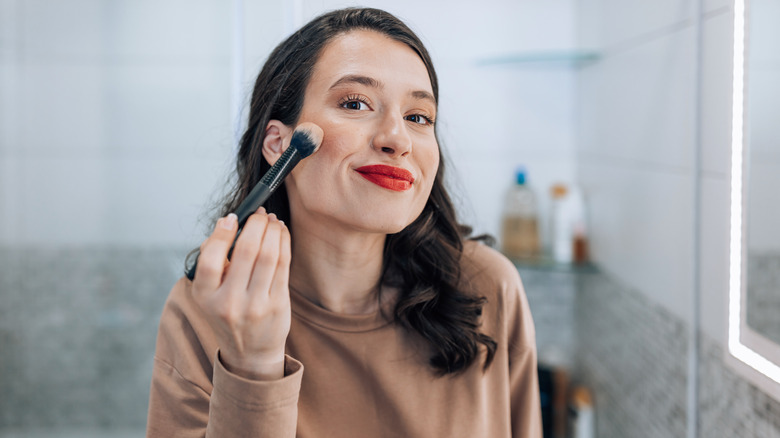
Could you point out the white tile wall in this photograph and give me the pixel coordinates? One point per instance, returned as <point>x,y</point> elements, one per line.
<point>61,201</point>
<point>66,31</point>
<point>172,30</point>
<point>62,109</point>
<point>263,29</point>
<point>120,201</point>
<point>166,31</point>
<point>611,24</point>
<point>8,34</point>
<point>642,228</point>
<point>177,210</point>
<point>714,252</point>
<point>462,29</point>
<point>717,81</point>
<point>168,111</point>
<point>118,117</point>
<point>636,126</point>
<point>716,127</point>
<point>713,6</point>
<point>639,104</point>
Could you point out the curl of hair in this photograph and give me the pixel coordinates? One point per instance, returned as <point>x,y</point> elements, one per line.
<point>423,260</point>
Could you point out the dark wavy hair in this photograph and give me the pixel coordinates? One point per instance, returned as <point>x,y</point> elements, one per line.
<point>423,260</point>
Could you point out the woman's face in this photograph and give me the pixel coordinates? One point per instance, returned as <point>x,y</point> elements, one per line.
<point>374,171</point>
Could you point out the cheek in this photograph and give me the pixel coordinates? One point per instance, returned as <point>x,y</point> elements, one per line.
<point>339,141</point>
<point>429,161</point>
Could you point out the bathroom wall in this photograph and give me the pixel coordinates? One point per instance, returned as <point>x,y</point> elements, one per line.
<point>638,162</point>
<point>635,161</point>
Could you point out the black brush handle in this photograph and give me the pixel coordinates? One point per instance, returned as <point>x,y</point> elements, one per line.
<point>259,194</point>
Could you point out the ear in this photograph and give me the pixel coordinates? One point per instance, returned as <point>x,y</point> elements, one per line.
<point>277,138</point>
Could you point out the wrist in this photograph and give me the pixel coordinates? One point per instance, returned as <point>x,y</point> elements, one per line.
<point>270,367</point>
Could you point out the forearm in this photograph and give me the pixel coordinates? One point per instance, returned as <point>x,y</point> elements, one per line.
<point>235,406</point>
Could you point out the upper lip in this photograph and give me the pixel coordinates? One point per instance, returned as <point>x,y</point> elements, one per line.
<point>391,171</point>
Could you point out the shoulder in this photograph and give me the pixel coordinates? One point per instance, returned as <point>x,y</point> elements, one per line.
<point>484,267</point>
<point>487,273</point>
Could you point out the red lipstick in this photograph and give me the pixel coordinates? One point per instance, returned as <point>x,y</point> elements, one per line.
<point>389,177</point>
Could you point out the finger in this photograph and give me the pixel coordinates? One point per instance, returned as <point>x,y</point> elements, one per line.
<point>281,281</point>
<point>267,258</point>
<point>213,253</point>
<point>246,249</point>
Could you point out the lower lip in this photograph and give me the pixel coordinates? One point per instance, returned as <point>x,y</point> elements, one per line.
<point>388,182</point>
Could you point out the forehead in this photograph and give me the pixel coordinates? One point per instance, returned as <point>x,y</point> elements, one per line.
<point>367,52</point>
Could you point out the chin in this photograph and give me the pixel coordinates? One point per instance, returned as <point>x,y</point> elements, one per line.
<point>386,225</point>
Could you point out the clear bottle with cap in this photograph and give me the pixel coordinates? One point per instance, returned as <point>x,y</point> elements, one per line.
<point>520,224</point>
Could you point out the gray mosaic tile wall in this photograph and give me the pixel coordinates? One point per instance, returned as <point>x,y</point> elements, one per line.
<point>633,356</point>
<point>77,333</point>
<point>551,295</point>
<point>730,407</point>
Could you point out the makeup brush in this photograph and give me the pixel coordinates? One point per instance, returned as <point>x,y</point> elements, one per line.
<point>306,139</point>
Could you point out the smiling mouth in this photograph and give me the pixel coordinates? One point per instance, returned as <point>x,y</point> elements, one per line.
<point>389,177</point>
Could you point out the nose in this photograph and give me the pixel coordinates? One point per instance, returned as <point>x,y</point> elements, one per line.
<point>392,137</point>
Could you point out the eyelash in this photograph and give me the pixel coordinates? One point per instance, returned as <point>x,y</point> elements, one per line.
<point>428,120</point>
<point>352,98</point>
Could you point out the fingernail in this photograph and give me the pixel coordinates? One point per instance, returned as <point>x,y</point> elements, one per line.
<point>260,209</point>
<point>229,221</point>
<point>272,217</point>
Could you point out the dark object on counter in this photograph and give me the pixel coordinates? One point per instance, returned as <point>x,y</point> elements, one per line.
<point>553,392</point>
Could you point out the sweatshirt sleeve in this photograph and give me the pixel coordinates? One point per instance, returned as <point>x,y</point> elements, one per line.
<point>193,395</point>
<point>523,371</point>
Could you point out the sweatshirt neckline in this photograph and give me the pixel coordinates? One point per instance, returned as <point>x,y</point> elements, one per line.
<point>305,309</point>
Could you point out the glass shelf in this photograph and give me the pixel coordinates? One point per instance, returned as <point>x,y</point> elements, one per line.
<point>550,265</point>
<point>564,58</point>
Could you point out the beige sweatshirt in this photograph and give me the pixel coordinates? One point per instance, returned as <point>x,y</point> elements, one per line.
<point>352,376</point>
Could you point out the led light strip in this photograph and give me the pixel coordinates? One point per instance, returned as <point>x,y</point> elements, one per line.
<point>736,348</point>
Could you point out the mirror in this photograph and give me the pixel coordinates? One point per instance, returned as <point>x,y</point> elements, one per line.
<point>763,177</point>
<point>754,329</point>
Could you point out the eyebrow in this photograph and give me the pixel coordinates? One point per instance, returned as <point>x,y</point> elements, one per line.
<point>357,79</point>
<point>373,83</point>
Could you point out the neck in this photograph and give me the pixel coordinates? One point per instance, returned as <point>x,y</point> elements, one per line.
<point>337,270</point>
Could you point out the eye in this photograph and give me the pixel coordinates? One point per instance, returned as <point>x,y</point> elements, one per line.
<point>355,103</point>
<point>419,119</point>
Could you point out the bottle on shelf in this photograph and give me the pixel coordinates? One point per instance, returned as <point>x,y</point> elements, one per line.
<point>520,225</point>
<point>568,233</point>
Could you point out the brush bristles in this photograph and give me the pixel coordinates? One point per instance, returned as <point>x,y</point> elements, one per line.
<point>306,139</point>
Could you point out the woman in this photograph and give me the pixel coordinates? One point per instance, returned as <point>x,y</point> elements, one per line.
<point>371,315</point>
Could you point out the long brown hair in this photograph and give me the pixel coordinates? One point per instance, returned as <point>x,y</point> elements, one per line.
<point>423,260</point>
